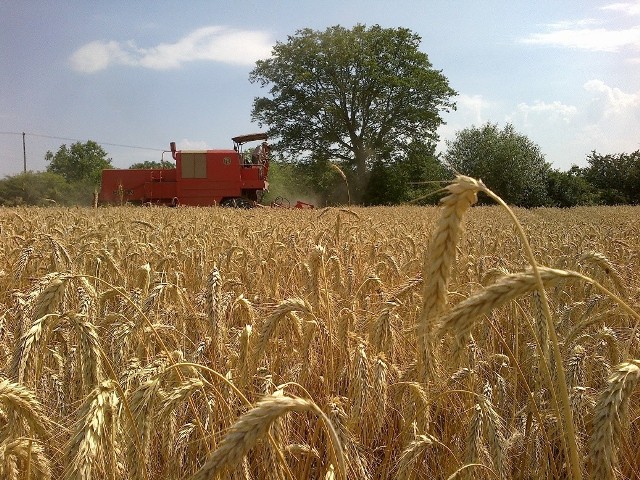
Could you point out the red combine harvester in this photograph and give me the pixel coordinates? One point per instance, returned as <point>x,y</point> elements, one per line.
<point>231,178</point>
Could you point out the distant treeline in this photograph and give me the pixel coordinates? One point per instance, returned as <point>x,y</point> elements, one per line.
<point>511,166</point>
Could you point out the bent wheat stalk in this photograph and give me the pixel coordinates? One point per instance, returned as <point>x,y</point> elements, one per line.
<point>569,435</point>
<point>460,319</point>
<point>254,425</point>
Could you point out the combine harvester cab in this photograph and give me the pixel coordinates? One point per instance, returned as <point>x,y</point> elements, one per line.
<point>232,178</point>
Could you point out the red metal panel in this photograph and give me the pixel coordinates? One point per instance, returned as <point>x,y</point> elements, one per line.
<point>138,185</point>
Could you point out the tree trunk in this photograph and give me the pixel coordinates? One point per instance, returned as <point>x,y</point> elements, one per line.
<point>360,178</point>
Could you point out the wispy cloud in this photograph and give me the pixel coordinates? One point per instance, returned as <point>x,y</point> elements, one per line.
<point>630,8</point>
<point>553,111</point>
<point>472,106</point>
<point>593,39</point>
<point>471,109</point>
<point>212,43</point>
<point>604,34</point>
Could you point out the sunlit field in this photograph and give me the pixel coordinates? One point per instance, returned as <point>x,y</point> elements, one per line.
<point>170,343</point>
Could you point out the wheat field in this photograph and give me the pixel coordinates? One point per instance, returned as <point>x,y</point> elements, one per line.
<point>349,343</point>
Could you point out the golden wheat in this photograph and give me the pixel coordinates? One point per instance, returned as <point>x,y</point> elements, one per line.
<point>141,342</point>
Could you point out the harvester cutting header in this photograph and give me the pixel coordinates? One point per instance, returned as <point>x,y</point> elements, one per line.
<point>235,178</point>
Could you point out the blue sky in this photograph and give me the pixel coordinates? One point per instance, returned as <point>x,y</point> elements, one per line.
<point>142,73</point>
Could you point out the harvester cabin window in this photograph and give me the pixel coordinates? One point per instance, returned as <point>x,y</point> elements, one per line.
<point>194,165</point>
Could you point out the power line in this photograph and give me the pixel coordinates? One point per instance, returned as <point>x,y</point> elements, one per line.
<point>78,140</point>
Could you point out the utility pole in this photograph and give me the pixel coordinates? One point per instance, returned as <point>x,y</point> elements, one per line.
<point>24,153</point>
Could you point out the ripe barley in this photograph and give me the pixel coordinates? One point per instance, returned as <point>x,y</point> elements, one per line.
<point>316,265</point>
<point>493,427</point>
<point>474,447</point>
<point>411,454</point>
<point>50,296</point>
<point>143,278</point>
<point>213,297</point>
<point>243,363</point>
<point>575,367</point>
<point>359,389</point>
<point>31,345</point>
<point>380,332</point>
<point>604,264</point>
<point>90,350</point>
<point>271,322</point>
<point>22,262</point>
<point>380,388</point>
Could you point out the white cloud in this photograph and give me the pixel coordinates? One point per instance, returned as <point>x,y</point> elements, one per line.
<point>615,100</point>
<point>96,56</point>
<point>471,110</point>
<point>630,8</point>
<point>614,119</point>
<point>569,24</point>
<point>551,111</point>
<point>213,43</point>
<point>593,39</point>
<point>472,106</point>
<point>599,35</point>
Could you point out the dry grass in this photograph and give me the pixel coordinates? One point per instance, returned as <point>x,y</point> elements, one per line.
<point>412,342</point>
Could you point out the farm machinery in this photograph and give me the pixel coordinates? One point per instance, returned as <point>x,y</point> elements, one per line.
<point>234,178</point>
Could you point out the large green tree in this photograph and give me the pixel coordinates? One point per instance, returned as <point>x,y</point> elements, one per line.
<point>357,96</point>
<point>508,162</point>
<point>81,162</point>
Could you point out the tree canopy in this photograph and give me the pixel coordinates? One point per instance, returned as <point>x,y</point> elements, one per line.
<point>508,162</point>
<point>81,162</point>
<point>149,164</point>
<point>616,176</point>
<point>358,96</point>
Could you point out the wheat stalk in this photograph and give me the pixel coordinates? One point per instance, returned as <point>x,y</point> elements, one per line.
<point>29,453</point>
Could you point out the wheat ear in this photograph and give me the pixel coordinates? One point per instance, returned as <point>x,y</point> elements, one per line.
<point>254,425</point>
<point>99,417</point>
<point>610,411</point>
<point>271,322</point>
<point>437,266</point>
<point>29,453</point>
<point>460,319</point>
<point>21,401</point>
<point>409,456</point>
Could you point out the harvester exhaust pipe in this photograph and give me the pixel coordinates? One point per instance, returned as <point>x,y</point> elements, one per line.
<point>173,150</point>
